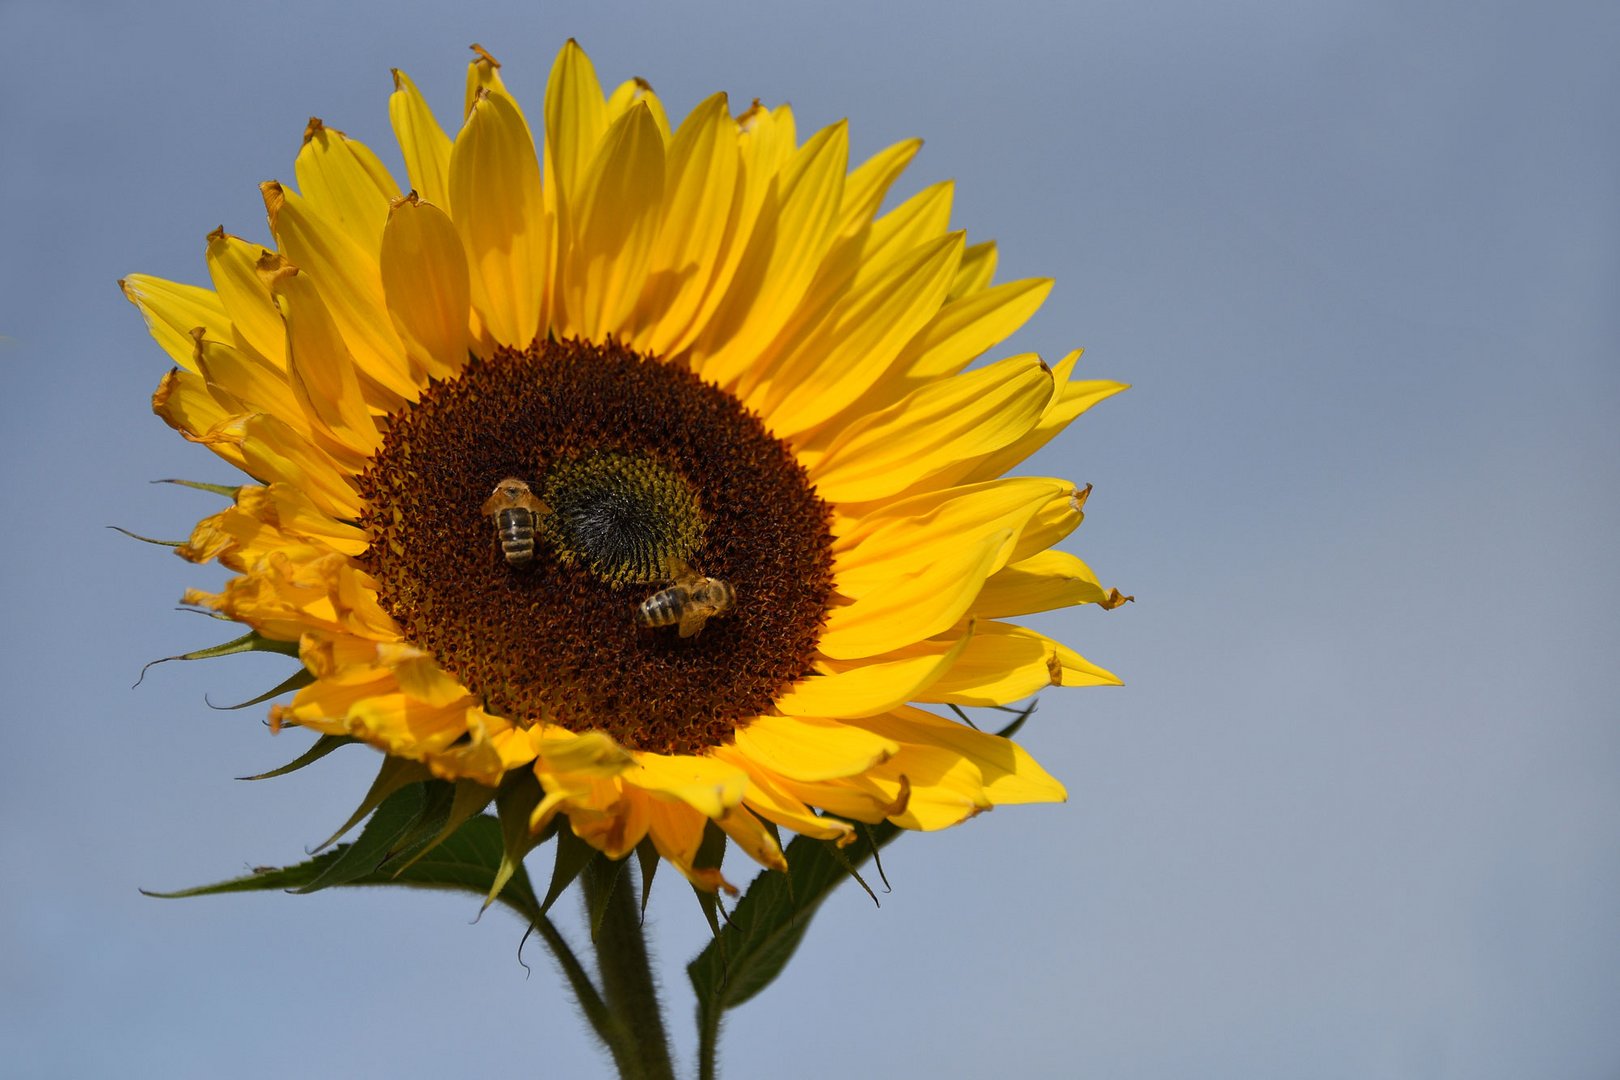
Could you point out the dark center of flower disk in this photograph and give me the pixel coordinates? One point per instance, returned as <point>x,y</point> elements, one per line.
<point>643,469</point>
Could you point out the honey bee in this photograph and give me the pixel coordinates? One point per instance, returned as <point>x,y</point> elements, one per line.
<point>515,509</point>
<point>691,601</point>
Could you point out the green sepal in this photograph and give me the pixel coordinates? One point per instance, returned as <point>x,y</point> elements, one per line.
<point>468,798</point>
<point>599,899</point>
<point>1023,715</point>
<point>218,489</point>
<point>767,924</point>
<point>573,855</point>
<point>323,746</point>
<point>466,860</point>
<point>515,800</point>
<point>396,772</point>
<point>146,539</point>
<point>647,858</point>
<point>389,831</point>
<point>252,641</point>
<point>710,853</point>
<point>296,681</point>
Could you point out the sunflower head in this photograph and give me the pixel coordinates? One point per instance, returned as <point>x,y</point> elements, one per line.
<point>646,461</point>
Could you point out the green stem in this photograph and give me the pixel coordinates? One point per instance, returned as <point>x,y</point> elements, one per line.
<point>627,983</point>
<point>708,1041</point>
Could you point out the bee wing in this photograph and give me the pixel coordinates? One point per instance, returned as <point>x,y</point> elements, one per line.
<point>493,504</point>
<point>532,502</point>
<point>693,616</point>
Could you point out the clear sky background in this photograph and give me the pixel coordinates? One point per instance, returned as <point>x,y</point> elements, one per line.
<point>1356,812</point>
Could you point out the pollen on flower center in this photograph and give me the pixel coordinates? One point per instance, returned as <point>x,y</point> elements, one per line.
<point>642,469</point>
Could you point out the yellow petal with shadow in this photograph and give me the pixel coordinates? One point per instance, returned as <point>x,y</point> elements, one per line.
<point>345,183</point>
<point>869,182</point>
<point>322,375</point>
<point>932,430</point>
<point>1043,582</point>
<point>496,203</point>
<point>794,230</point>
<point>742,826</point>
<point>810,749</point>
<point>350,285</point>
<point>711,787</point>
<point>275,451</point>
<point>858,340</point>
<point>424,277</point>
<point>1009,774</point>
<point>852,689</point>
<point>701,188</point>
<point>173,310</point>
<point>889,543</point>
<point>617,220</point>
<point>422,142</point>
<point>233,267</point>
<point>919,605</point>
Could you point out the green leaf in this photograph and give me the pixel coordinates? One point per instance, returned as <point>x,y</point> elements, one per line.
<point>296,681</point>
<point>466,861</point>
<point>323,746</point>
<point>770,920</point>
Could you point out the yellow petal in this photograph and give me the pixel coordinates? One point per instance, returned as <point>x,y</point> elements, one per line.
<point>232,264</point>
<point>345,183</point>
<point>634,92</point>
<point>977,270</point>
<point>576,120</point>
<point>767,798</point>
<point>615,226</point>
<point>276,452</point>
<point>1004,663</point>
<point>422,142</point>
<point>350,286</point>
<point>858,341</point>
<point>250,379</point>
<point>592,753</point>
<point>921,604</point>
<point>743,827</point>
<point>424,276</point>
<point>186,404</point>
<point>710,787</point>
<point>173,310</point>
<point>795,230</point>
<point>808,749</point>
<point>966,327</point>
<point>1069,400</point>
<point>867,689</point>
<point>866,185</point>
<point>496,203</point>
<point>921,219</point>
<point>677,832</point>
<point>890,543</point>
<point>932,429</point>
<point>1042,582</point>
<point>1009,774</point>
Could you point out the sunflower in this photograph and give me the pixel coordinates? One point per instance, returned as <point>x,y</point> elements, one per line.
<point>650,460</point>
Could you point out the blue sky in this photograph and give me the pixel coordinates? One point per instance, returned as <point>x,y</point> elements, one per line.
<point>1355,811</point>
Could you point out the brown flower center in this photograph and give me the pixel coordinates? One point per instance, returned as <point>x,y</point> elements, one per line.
<point>645,475</point>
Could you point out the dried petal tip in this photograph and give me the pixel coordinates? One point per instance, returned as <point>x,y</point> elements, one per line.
<point>483,56</point>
